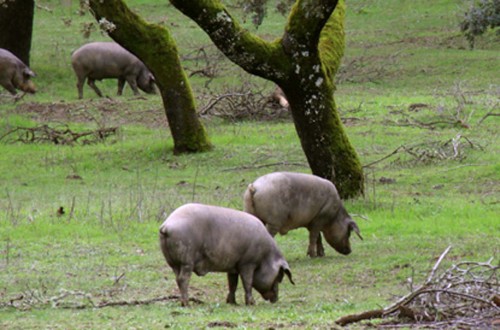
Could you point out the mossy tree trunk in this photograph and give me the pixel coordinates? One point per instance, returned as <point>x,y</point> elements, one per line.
<point>154,45</point>
<point>303,66</point>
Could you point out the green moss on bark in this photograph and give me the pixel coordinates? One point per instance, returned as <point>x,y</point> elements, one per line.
<point>154,45</point>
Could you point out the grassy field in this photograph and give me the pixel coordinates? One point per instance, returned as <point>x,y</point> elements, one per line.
<point>416,104</point>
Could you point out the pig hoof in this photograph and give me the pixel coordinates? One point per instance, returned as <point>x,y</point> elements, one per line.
<point>250,301</point>
<point>231,300</point>
<point>312,254</point>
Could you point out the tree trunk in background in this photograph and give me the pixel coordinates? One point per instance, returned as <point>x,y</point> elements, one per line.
<point>16,27</point>
<point>304,68</point>
<point>156,48</point>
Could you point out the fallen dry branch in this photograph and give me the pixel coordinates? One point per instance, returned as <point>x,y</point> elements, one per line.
<point>62,135</point>
<point>69,299</point>
<point>427,152</point>
<point>467,294</point>
<point>251,167</point>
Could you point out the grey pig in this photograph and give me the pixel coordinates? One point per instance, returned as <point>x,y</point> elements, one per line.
<point>101,60</point>
<point>14,74</point>
<point>284,201</point>
<point>204,238</point>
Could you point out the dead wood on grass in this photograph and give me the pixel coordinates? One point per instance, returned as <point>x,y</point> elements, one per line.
<point>69,299</point>
<point>62,135</point>
<point>465,295</point>
<point>428,152</point>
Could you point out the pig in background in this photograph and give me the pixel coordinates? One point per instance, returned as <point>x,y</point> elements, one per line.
<point>284,201</point>
<point>14,74</point>
<point>202,238</point>
<point>103,60</point>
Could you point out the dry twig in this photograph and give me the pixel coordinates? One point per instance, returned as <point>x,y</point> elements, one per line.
<point>467,294</point>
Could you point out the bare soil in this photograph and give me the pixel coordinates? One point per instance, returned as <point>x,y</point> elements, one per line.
<point>103,112</point>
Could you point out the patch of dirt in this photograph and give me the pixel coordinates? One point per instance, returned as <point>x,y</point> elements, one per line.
<point>103,112</point>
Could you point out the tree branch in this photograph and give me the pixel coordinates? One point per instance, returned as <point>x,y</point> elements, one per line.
<point>243,48</point>
<point>307,19</point>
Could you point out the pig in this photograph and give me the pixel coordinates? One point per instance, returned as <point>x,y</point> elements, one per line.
<point>204,238</point>
<point>101,60</point>
<point>14,74</point>
<point>284,201</point>
<point>279,96</point>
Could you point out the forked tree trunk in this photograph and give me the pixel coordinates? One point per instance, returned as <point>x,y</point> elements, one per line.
<point>157,49</point>
<point>303,68</point>
<point>16,27</point>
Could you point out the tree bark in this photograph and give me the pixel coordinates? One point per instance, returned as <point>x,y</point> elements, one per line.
<point>154,45</point>
<point>16,26</point>
<point>304,68</point>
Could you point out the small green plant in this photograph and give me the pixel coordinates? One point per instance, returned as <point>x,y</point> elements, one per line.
<point>482,15</point>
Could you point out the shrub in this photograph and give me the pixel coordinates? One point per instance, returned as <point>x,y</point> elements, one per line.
<point>483,14</point>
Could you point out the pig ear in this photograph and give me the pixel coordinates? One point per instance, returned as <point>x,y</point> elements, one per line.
<point>152,78</point>
<point>28,73</point>
<point>285,270</point>
<point>354,226</point>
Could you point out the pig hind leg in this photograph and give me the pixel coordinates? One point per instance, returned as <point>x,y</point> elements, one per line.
<point>182,277</point>
<point>232,280</point>
<point>80,81</point>
<point>91,83</point>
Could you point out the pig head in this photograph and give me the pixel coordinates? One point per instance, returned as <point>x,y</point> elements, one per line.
<point>201,239</point>
<point>284,201</point>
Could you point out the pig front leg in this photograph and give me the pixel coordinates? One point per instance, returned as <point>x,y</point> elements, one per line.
<point>314,237</point>
<point>182,276</point>
<point>319,247</point>
<point>10,88</point>
<point>232,280</point>
<point>246,273</point>
<point>91,83</point>
<point>121,85</point>
<point>133,84</point>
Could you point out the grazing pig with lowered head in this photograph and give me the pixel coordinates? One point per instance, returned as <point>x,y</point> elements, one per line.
<point>201,238</point>
<point>14,74</point>
<point>101,60</point>
<point>284,201</point>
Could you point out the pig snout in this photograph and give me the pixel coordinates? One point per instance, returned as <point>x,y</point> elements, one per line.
<point>28,87</point>
<point>271,296</point>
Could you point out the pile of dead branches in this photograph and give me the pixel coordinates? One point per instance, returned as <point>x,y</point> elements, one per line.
<point>61,135</point>
<point>433,151</point>
<point>467,295</point>
<point>246,102</point>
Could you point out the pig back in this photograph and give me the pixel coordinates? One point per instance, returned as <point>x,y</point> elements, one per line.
<point>214,237</point>
<point>287,200</point>
<point>100,60</point>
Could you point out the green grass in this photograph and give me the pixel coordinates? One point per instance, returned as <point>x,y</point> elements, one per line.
<point>105,247</point>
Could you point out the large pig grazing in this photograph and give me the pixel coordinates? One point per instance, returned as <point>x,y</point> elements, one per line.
<point>201,239</point>
<point>102,60</point>
<point>14,74</point>
<point>284,201</point>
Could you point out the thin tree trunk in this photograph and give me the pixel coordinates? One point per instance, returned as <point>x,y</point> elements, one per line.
<point>157,49</point>
<point>16,27</point>
<point>296,65</point>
